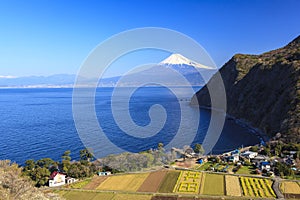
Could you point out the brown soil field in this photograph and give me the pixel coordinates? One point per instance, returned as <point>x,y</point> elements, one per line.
<point>164,198</point>
<point>153,181</point>
<point>96,181</point>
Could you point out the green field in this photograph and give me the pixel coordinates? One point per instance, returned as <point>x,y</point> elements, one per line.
<point>245,170</point>
<point>169,182</point>
<point>76,195</point>
<point>213,184</point>
<point>80,184</point>
<point>131,196</point>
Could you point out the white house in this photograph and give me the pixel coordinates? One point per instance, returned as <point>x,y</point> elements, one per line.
<point>57,179</point>
<point>234,158</point>
<point>249,154</point>
<point>70,180</point>
<point>265,166</point>
<point>104,173</point>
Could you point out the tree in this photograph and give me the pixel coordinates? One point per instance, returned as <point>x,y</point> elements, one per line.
<point>78,170</point>
<point>29,165</point>
<point>198,149</point>
<point>254,149</point>
<point>160,146</point>
<point>46,163</point>
<point>66,160</point>
<point>40,175</point>
<point>85,155</point>
<point>15,186</point>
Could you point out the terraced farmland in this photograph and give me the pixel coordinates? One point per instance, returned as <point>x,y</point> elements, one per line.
<point>153,181</point>
<point>128,182</point>
<point>188,182</point>
<point>289,187</point>
<point>169,182</point>
<point>179,184</point>
<point>233,187</point>
<point>257,187</point>
<point>95,182</point>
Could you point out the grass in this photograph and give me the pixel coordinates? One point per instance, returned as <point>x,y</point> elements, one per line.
<point>213,184</point>
<point>169,182</point>
<point>80,184</point>
<point>203,166</point>
<point>233,187</point>
<point>289,187</point>
<point>77,195</point>
<point>128,182</point>
<point>245,170</point>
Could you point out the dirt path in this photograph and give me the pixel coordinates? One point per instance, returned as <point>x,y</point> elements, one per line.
<point>276,188</point>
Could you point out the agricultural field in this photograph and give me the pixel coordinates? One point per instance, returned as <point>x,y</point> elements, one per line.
<point>289,187</point>
<point>76,195</point>
<point>257,187</point>
<point>79,185</point>
<point>233,187</point>
<point>169,182</point>
<point>188,182</point>
<point>213,184</point>
<point>95,182</point>
<point>153,181</point>
<point>128,182</point>
<point>131,196</point>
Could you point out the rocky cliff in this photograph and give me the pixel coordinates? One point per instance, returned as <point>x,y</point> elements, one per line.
<point>263,90</point>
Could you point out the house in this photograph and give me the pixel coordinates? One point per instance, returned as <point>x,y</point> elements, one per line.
<point>104,173</point>
<point>264,166</point>
<point>57,179</point>
<point>70,180</point>
<point>234,158</point>
<point>249,154</point>
<point>258,159</point>
<point>235,152</point>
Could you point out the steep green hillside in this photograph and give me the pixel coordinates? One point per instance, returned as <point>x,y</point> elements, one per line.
<point>263,90</point>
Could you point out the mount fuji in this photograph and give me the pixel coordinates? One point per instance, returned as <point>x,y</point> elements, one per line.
<point>164,72</point>
<point>170,72</point>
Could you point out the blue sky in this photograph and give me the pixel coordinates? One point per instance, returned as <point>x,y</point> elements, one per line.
<point>44,37</point>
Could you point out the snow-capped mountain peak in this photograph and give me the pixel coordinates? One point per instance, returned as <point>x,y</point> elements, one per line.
<point>178,59</point>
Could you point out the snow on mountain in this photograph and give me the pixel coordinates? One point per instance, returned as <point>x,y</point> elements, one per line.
<point>178,59</point>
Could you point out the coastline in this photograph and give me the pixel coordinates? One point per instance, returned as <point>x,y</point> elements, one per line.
<point>263,137</point>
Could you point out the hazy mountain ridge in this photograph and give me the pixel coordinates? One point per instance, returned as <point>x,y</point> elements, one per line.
<point>158,73</point>
<point>263,90</point>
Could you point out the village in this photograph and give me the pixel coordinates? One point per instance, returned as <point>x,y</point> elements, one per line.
<point>246,161</point>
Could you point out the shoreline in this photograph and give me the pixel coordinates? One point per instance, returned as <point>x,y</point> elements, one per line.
<point>263,137</point>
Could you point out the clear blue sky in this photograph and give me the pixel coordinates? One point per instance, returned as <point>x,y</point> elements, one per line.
<point>44,37</point>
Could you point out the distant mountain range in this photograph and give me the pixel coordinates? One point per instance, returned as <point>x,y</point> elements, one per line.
<point>263,90</point>
<point>163,72</point>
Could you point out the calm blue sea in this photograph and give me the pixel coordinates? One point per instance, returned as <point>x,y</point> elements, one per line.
<point>38,123</point>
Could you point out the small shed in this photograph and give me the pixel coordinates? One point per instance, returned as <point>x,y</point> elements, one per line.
<point>104,173</point>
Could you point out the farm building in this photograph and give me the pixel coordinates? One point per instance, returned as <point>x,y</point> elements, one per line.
<point>264,166</point>
<point>249,154</point>
<point>70,180</point>
<point>104,173</point>
<point>57,179</point>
